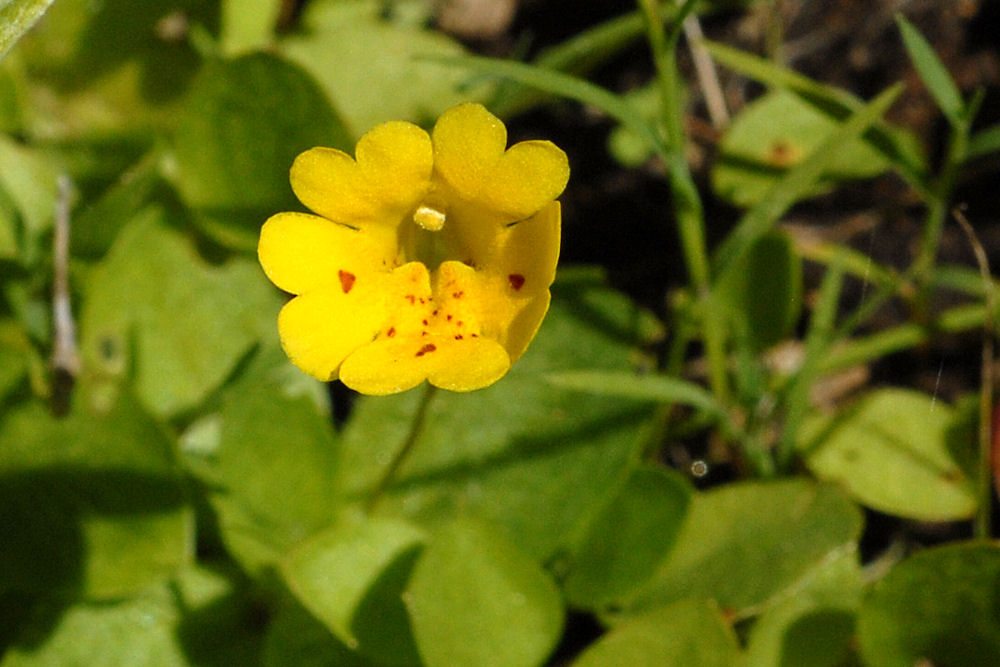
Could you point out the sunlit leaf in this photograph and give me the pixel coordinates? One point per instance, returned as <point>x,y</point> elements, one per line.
<point>16,18</point>
<point>196,619</point>
<point>475,599</point>
<point>351,577</point>
<point>688,632</point>
<point>745,544</point>
<point>155,310</point>
<point>373,69</point>
<point>891,452</point>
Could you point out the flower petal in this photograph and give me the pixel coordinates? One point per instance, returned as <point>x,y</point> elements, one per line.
<point>320,329</point>
<point>301,252</point>
<point>468,143</point>
<point>329,183</point>
<point>389,366</point>
<point>528,176</point>
<point>513,287</point>
<point>397,160</point>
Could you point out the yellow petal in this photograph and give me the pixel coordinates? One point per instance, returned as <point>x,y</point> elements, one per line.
<point>396,159</point>
<point>528,176</point>
<point>513,287</point>
<point>320,329</point>
<point>529,252</point>
<point>468,143</point>
<point>329,182</point>
<point>301,252</point>
<point>389,366</point>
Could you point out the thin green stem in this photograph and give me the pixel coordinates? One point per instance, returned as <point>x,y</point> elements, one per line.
<point>922,269</point>
<point>686,200</point>
<point>416,429</point>
<point>983,522</point>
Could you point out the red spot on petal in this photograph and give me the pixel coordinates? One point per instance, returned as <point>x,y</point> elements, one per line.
<point>457,295</point>
<point>346,280</point>
<point>425,322</point>
<point>449,318</point>
<point>516,280</point>
<point>475,335</point>
<point>430,347</point>
<point>458,336</point>
<point>391,332</point>
<point>411,298</point>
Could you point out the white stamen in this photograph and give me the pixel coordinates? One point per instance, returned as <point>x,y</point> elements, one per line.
<point>429,218</point>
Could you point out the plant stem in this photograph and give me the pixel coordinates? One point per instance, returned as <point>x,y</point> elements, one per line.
<point>416,429</point>
<point>982,526</point>
<point>686,201</point>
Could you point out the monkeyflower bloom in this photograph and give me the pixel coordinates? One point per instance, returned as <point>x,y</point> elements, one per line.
<point>429,258</point>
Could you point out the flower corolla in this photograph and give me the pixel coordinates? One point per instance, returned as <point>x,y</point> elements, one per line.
<point>429,257</point>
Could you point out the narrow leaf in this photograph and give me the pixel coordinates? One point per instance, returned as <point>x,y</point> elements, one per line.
<point>659,388</point>
<point>16,18</point>
<point>797,183</point>
<point>933,73</point>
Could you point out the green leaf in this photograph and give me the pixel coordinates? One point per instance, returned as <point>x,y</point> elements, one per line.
<point>14,350</point>
<point>984,142</point>
<point>248,25</point>
<point>746,544</point>
<point>241,127</point>
<point>815,624</point>
<point>351,578</point>
<point>903,153</point>
<point>797,183</point>
<point>755,152</point>
<point>270,454</point>
<point>295,637</point>
<point>92,501</point>
<point>891,452</point>
<point>765,292</point>
<point>16,18</point>
<point>195,619</point>
<point>659,388</point>
<point>628,538</point>
<point>28,179</point>
<point>475,599</point>
<point>940,606</point>
<point>531,458</point>
<point>156,310</point>
<point>933,73</point>
<point>688,632</point>
<point>373,69</point>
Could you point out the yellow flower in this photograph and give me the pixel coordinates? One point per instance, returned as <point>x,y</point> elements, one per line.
<point>430,258</point>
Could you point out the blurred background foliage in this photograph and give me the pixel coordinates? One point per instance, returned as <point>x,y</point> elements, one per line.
<point>765,441</point>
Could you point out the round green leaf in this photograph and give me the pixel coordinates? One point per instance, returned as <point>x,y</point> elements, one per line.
<point>757,149</point>
<point>891,452</point>
<point>628,538</point>
<point>745,544</point>
<point>92,502</point>
<point>940,607</point>
<point>689,632</point>
<point>155,308</point>
<point>351,578</point>
<point>475,599</point>
<point>816,625</point>
<point>376,70</point>
<point>241,127</point>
